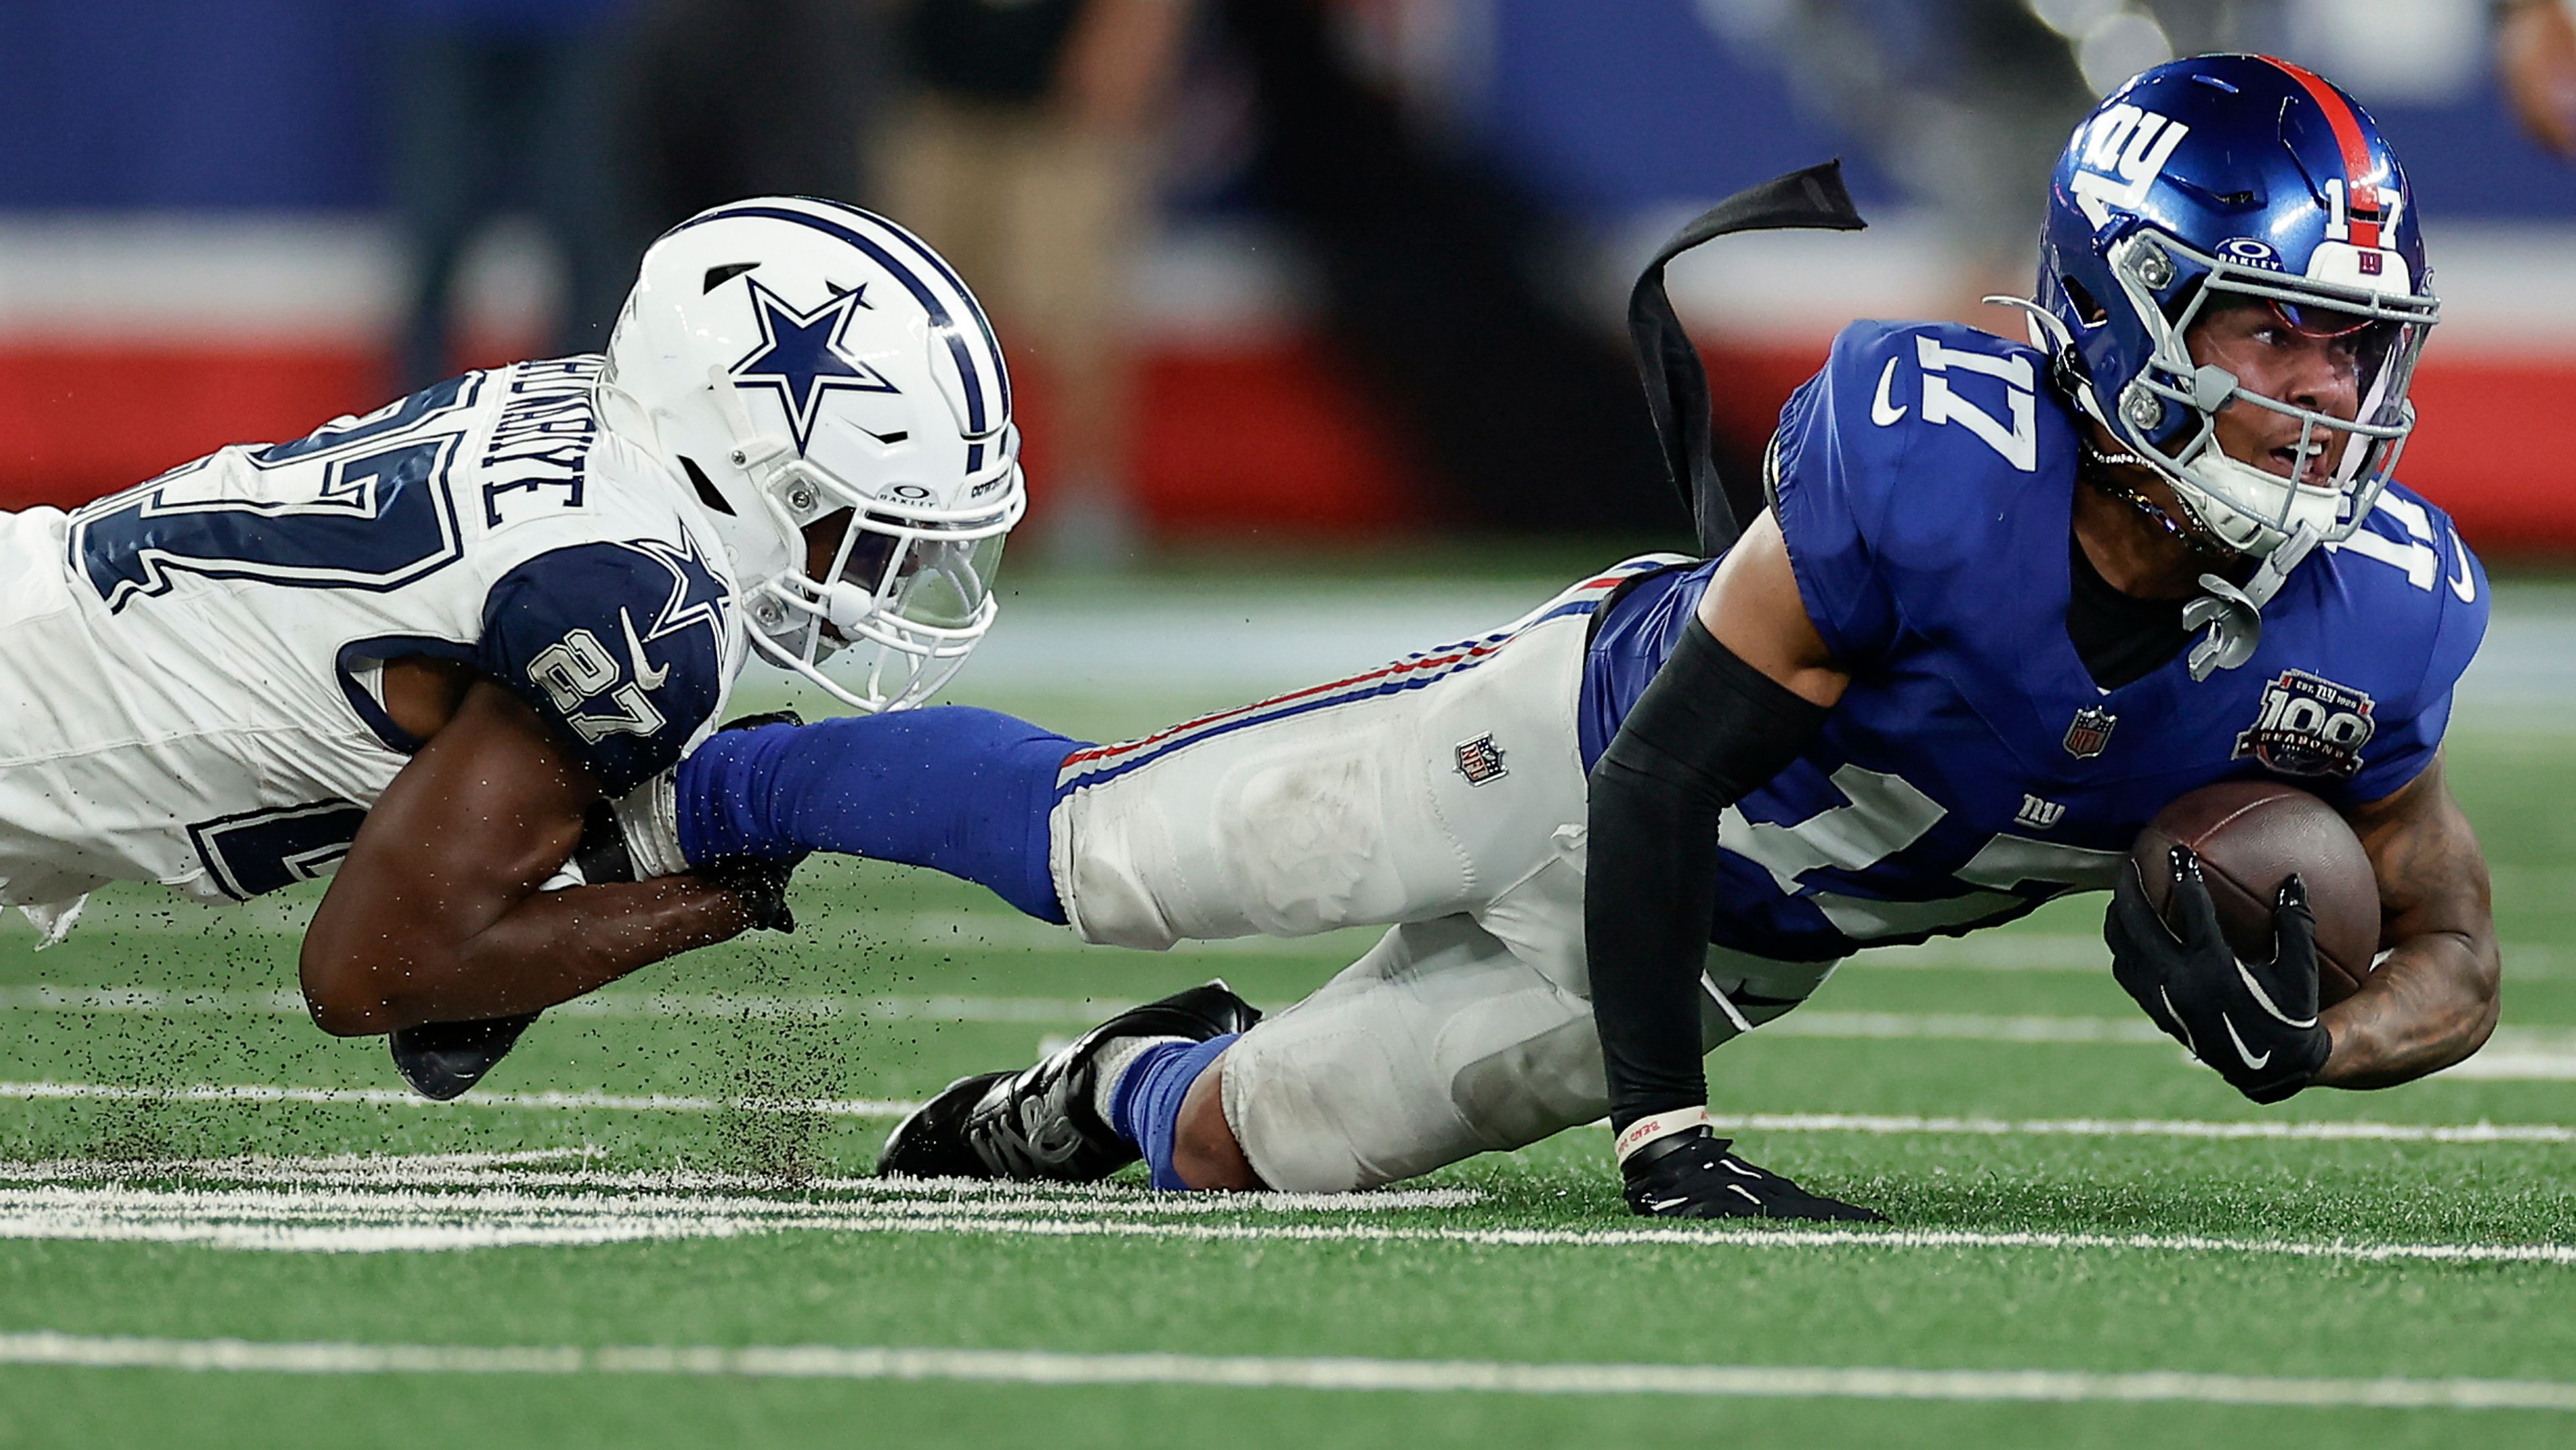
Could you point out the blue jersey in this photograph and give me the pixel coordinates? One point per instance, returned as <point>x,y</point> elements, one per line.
<point>1924,483</point>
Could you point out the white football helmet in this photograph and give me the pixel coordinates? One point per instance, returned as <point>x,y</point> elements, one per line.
<point>797,360</point>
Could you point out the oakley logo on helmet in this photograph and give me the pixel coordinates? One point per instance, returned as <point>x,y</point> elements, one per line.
<point>2125,149</point>
<point>2252,251</point>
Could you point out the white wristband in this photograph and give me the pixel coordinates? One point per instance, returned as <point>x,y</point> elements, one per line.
<point>650,817</point>
<point>1660,1125</point>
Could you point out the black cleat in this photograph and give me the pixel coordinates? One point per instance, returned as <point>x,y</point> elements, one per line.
<point>442,1059</point>
<point>931,1143</point>
<point>1039,1122</point>
<point>1696,1174</point>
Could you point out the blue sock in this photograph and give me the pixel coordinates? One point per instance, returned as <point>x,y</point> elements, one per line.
<point>953,788</point>
<point>1145,1107</point>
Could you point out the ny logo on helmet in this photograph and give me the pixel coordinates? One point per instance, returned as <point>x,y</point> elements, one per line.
<point>2122,153</point>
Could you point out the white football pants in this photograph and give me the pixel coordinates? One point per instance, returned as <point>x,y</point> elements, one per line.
<point>1443,795</point>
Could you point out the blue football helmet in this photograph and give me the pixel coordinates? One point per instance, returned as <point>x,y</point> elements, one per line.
<point>2208,181</point>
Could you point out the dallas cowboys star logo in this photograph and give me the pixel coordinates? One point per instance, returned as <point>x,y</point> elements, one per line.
<point>800,356</point>
<point>698,596</point>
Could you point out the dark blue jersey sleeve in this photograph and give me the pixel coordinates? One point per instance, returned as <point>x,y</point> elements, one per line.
<point>2404,743</point>
<point>1910,474</point>
<point>620,647</point>
<point>1830,476</point>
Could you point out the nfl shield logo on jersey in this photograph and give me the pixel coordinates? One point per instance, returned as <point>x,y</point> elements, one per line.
<point>2309,726</point>
<point>2090,732</point>
<point>1480,761</point>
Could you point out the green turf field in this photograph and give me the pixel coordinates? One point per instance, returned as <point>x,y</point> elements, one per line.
<point>654,1227</point>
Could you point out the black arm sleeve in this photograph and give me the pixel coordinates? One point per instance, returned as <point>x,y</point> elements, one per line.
<point>1708,729</point>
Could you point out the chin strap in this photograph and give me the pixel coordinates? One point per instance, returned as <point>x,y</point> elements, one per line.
<point>2184,529</point>
<point>2233,615</point>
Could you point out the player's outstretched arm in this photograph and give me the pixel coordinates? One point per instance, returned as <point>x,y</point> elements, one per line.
<point>1743,692</point>
<point>436,915</point>
<point>2432,1001</point>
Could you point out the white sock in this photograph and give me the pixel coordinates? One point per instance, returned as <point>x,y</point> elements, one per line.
<point>1116,1056</point>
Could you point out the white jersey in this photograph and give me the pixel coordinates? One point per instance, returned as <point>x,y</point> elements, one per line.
<point>191,670</point>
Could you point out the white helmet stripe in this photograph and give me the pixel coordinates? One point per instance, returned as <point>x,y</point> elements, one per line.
<point>987,407</point>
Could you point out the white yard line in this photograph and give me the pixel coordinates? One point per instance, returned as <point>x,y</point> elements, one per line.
<point>322,1210</point>
<point>396,1098</point>
<point>1343,1374</point>
<point>990,931</point>
<point>2533,1054</point>
<point>2258,1130</point>
<point>1962,1027</point>
<point>2502,1062</point>
<point>1895,1239</point>
<point>2266,1129</point>
<point>517,1173</point>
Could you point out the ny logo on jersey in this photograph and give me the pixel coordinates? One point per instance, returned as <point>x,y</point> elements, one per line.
<point>800,357</point>
<point>1885,814</point>
<point>2038,814</point>
<point>2119,157</point>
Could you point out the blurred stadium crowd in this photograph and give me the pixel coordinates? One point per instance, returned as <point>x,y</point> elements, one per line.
<point>1300,268</point>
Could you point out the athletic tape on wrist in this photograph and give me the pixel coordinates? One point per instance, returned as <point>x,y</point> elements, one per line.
<point>1659,1125</point>
<point>650,817</point>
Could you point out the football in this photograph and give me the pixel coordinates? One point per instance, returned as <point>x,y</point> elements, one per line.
<point>2251,835</point>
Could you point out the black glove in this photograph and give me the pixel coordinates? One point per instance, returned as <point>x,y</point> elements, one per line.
<point>762,885</point>
<point>2255,1022</point>
<point>1691,1174</point>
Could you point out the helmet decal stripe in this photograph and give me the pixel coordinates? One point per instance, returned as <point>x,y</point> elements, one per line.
<point>2339,115</point>
<point>939,264</point>
<point>921,291</point>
